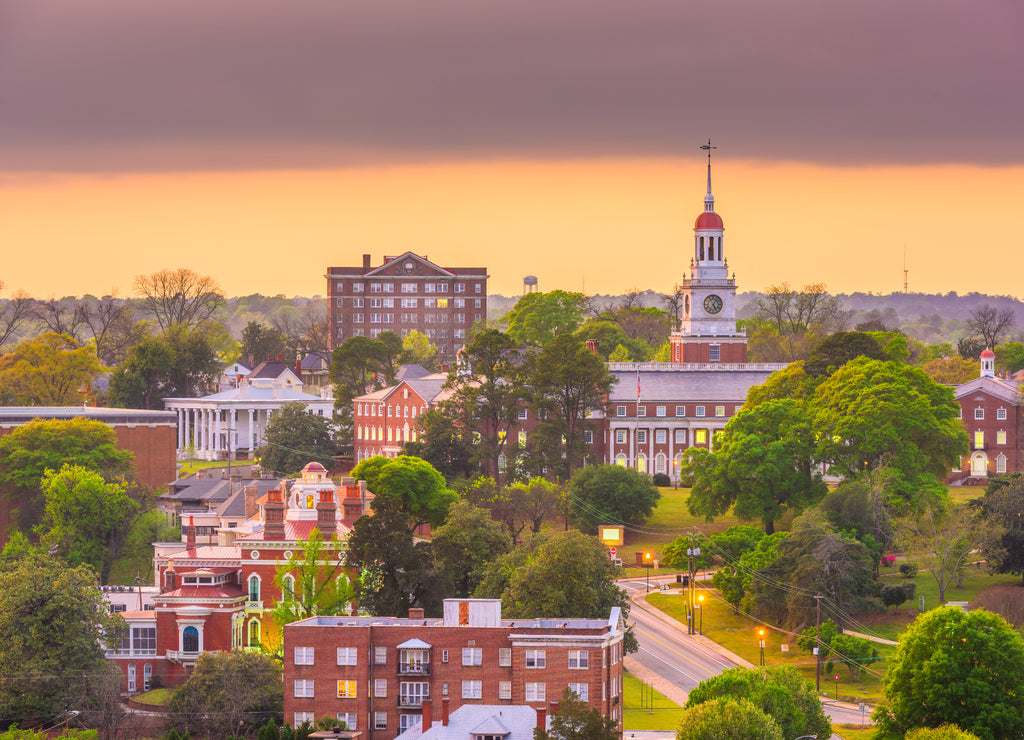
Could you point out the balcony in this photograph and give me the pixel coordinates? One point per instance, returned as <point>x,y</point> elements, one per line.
<point>184,657</point>
<point>254,606</point>
<point>414,669</point>
<point>412,702</point>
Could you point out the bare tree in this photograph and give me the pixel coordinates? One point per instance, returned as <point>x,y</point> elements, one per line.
<point>111,321</point>
<point>942,541</point>
<point>179,296</point>
<point>14,312</point>
<point>991,323</point>
<point>674,301</point>
<point>309,331</point>
<point>66,316</point>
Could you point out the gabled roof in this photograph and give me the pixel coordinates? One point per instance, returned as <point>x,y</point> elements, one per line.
<point>270,369</point>
<point>429,388</point>
<point>415,644</point>
<point>315,361</point>
<point>410,372</point>
<point>685,386</point>
<point>511,722</point>
<point>421,262</point>
<point>1002,388</point>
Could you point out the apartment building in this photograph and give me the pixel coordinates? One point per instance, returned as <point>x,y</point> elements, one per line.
<point>377,674</point>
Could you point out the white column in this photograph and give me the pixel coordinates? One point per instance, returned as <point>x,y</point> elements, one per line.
<point>216,434</point>
<point>232,431</point>
<point>203,430</point>
<point>249,432</point>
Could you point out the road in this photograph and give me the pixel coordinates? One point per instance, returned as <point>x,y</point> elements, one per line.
<point>683,661</point>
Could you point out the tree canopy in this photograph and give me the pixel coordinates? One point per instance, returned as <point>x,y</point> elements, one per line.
<point>314,584</point>
<point>736,719</point>
<point>295,437</point>
<point>466,544</point>
<point>179,297</point>
<point>955,667</point>
<point>411,484</point>
<point>610,494</point>
<point>50,370</point>
<point>538,317</point>
<point>576,720</point>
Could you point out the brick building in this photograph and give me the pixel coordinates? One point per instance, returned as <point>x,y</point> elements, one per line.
<point>385,420</point>
<point>990,410</point>
<point>382,675</point>
<point>406,293</point>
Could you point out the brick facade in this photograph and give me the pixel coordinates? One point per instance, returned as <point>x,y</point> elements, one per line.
<point>377,670</point>
<point>990,411</point>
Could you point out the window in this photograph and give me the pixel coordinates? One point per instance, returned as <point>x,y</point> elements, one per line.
<point>408,287</point>
<point>444,656</point>
<point>979,440</point>
<point>523,413</point>
<point>581,690</point>
<point>680,436</point>
<point>380,688</point>
<point>144,640</point>
<point>1000,438</point>
<point>389,287</point>
<point>502,463</point>
<point>442,303</point>
<point>301,717</point>
<point>348,719</point>
<point>357,318</point>
<point>304,656</point>
<point>1001,463</point>
<point>472,656</point>
<point>504,656</point>
<point>407,721</point>
<point>380,720</point>
<point>347,689</point>
<point>700,411</point>
<point>460,287</point>
<point>358,287</point>
<point>659,410</point>
<point>254,588</point>
<point>534,691</point>
<point>472,689</point>
<point>700,436</point>
<point>303,688</point>
<point>413,693</point>
<point>620,436</point>
<point>660,436</point>
<point>254,633</point>
<point>190,639</point>
<point>714,353</point>
<point>346,656</point>
<point>339,287</point>
<point>376,303</point>
<point>719,410</point>
<point>641,410</point>
<point>588,436</point>
<point>1001,414</point>
<point>579,659</point>
<point>535,659</point>
<point>979,413</point>
<point>522,439</point>
<point>504,689</point>
<point>620,410</point>
<point>428,287</point>
<point>641,436</point>
<point>680,411</point>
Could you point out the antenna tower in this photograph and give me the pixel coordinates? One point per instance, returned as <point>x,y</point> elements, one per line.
<point>905,270</point>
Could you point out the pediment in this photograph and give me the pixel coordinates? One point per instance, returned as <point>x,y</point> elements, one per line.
<point>410,265</point>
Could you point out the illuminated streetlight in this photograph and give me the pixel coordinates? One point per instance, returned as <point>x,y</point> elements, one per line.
<point>700,605</point>
<point>647,565</point>
<point>760,635</point>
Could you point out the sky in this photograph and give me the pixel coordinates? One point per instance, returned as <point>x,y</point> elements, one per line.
<point>261,141</point>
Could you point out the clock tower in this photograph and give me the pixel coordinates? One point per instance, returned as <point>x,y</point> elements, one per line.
<point>707,326</point>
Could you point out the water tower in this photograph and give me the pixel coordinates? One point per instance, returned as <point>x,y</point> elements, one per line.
<point>529,284</point>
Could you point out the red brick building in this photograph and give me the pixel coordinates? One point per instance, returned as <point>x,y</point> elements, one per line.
<point>406,293</point>
<point>377,674</point>
<point>990,410</point>
<point>385,420</point>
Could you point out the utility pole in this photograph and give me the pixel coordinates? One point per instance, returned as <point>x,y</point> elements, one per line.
<point>817,628</point>
<point>693,552</point>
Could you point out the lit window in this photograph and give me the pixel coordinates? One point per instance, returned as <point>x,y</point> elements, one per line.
<point>347,689</point>
<point>979,440</point>
<point>700,436</point>
<point>1000,438</point>
<point>719,410</point>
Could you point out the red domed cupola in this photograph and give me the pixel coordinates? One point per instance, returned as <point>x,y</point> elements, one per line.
<point>709,220</point>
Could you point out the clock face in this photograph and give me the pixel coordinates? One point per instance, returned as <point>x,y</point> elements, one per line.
<point>712,304</point>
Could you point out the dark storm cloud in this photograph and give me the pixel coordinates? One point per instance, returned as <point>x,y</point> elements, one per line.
<point>180,84</point>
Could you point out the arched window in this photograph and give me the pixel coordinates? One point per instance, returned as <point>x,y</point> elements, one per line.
<point>641,463</point>
<point>659,462</point>
<point>620,459</point>
<point>147,676</point>
<point>254,588</point>
<point>254,633</point>
<point>719,249</point>
<point>502,463</point>
<point>190,640</point>
<point>288,582</point>
<point>701,247</point>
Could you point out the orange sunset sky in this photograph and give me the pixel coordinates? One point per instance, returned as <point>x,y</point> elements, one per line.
<point>261,142</point>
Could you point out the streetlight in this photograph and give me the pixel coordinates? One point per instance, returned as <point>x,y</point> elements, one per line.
<point>700,605</point>
<point>760,635</point>
<point>837,687</point>
<point>647,565</point>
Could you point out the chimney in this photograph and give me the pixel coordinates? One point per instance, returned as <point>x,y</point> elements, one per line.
<point>353,503</point>
<point>428,718</point>
<point>366,262</point>
<point>415,612</point>
<point>326,513</point>
<point>592,345</point>
<point>251,366</point>
<point>542,719</point>
<point>280,357</point>
<point>444,712</point>
<point>270,358</point>
<point>251,493</point>
<point>554,708</point>
<point>170,577</point>
<point>190,535</point>
<point>273,512</point>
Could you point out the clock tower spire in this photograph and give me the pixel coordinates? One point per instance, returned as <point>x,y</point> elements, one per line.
<point>707,328</point>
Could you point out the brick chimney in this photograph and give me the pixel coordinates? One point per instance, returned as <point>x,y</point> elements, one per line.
<point>366,262</point>
<point>428,716</point>
<point>542,718</point>
<point>326,512</point>
<point>352,505</point>
<point>593,345</point>
<point>273,516</point>
<point>251,493</point>
<point>170,577</point>
<point>444,712</point>
<point>190,534</point>
<point>415,612</point>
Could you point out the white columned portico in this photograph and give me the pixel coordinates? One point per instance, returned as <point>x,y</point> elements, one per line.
<point>249,433</point>
<point>216,433</point>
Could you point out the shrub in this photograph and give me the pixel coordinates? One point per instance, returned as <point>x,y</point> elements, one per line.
<point>908,570</point>
<point>661,480</point>
<point>893,596</point>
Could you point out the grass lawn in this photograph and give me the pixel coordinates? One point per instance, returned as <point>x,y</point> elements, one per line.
<point>161,697</point>
<point>853,732</point>
<point>188,467</point>
<point>648,710</point>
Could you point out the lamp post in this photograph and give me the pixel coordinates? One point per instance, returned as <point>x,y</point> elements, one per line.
<point>760,635</point>
<point>647,565</point>
<point>700,605</point>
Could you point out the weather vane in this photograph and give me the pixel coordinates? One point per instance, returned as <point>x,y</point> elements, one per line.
<point>707,147</point>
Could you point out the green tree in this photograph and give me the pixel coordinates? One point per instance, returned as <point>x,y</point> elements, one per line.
<point>314,584</point>
<point>727,547</point>
<point>1009,357</point>
<point>50,370</point>
<point>619,354</point>
<point>40,445</point>
<point>609,335</point>
<point>353,371</point>
<point>602,494</point>
<point>54,622</point>
<point>568,382</point>
<point>418,350</point>
<point>942,540</point>
<point>576,720</point>
<point>517,505</point>
<point>1003,543</point>
<point>763,466</point>
<point>872,414</point>
<point>486,395</point>
<point>86,519</point>
<point>952,370</point>
<point>955,667</point>
<point>441,441</point>
<point>466,544</point>
<point>412,484</point>
<point>779,691</point>
<point>295,436</point>
<point>229,694</point>
<point>539,317</point>
<point>260,341</point>
<point>837,349</point>
<point>736,719</point>
<point>945,732</point>
<point>733,578</point>
<point>141,381</point>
